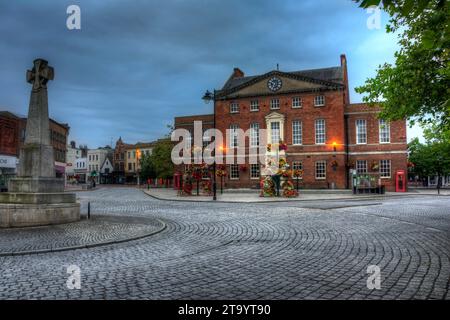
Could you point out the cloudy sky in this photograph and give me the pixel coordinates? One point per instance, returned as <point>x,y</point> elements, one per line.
<point>134,65</point>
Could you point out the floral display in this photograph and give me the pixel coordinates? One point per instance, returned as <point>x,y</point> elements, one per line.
<point>221,171</point>
<point>375,166</point>
<point>289,189</point>
<point>282,146</point>
<point>267,187</point>
<point>298,173</point>
<point>206,187</point>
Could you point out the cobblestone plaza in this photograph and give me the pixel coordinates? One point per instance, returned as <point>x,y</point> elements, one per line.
<point>293,250</point>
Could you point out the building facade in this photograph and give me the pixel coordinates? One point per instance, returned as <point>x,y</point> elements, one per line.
<point>119,161</point>
<point>81,171</point>
<point>95,160</point>
<point>106,171</point>
<point>133,156</point>
<point>73,153</point>
<point>310,111</point>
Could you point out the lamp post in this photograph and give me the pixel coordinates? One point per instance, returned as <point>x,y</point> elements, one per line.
<point>207,97</point>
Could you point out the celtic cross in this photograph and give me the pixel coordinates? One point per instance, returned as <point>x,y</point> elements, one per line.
<point>40,74</point>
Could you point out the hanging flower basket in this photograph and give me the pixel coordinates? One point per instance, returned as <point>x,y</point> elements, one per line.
<point>282,146</point>
<point>298,173</point>
<point>269,148</point>
<point>375,166</point>
<point>282,162</point>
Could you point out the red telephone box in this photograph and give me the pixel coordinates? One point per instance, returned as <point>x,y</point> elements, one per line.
<point>400,181</point>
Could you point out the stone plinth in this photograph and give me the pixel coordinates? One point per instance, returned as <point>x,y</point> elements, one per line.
<point>29,215</point>
<point>39,185</point>
<point>37,198</point>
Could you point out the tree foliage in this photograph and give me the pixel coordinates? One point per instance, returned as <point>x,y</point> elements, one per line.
<point>159,163</point>
<point>418,85</point>
<point>147,169</point>
<point>433,156</point>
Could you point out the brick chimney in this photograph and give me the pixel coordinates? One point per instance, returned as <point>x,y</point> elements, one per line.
<point>237,73</point>
<point>345,75</point>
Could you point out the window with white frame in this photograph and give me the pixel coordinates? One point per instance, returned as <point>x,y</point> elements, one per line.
<point>254,171</point>
<point>254,105</point>
<point>296,132</point>
<point>254,135</point>
<point>385,131</point>
<point>234,135</point>
<point>319,101</point>
<point>234,107</point>
<point>275,104</point>
<point>361,131</point>
<point>275,132</point>
<point>320,131</point>
<point>296,102</point>
<point>385,168</point>
<point>321,170</point>
<point>361,166</point>
<point>234,171</point>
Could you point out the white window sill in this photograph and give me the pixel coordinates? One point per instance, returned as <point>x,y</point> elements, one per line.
<point>319,105</point>
<point>321,178</point>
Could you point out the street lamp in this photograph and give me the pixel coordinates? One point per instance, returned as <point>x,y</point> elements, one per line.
<point>207,97</point>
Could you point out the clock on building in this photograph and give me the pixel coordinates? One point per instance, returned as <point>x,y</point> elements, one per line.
<point>274,84</point>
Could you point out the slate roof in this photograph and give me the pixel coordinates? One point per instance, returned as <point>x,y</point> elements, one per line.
<point>333,74</point>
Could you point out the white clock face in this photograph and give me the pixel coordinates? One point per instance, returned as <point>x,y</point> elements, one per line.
<point>274,84</point>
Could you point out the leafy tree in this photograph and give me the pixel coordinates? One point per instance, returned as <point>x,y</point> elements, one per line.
<point>418,85</point>
<point>433,157</point>
<point>161,160</point>
<point>147,169</point>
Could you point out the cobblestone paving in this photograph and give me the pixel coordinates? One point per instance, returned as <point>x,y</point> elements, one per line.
<point>314,250</point>
<point>101,229</point>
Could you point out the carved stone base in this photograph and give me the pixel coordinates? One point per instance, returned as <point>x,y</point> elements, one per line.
<point>37,198</point>
<point>30,215</point>
<point>37,185</point>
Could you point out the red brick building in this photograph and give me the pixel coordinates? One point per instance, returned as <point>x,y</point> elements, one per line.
<point>310,111</point>
<point>12,138</point>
